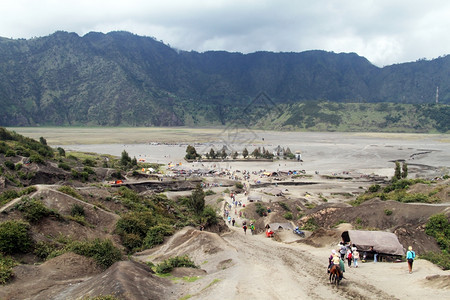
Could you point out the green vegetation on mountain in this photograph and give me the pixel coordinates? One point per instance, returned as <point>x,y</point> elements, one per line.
<point>121,79</point>
<point>79,203</point>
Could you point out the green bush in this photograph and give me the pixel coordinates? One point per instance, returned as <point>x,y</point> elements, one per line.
<point>131,241</point>
<point>77,210</point>
<point>155,235</point>
<point>387,212</point>
<point>374,188</point>
<point>44,249</point>
<point>438,227</point>
<point>6,271</point>
<point>260,209</point>
<point>34,210</point>
<point>288,215</point>
<point>209,193</point>
<point>441,259</point>
<point>70,191</point>
<point>102,251</point>
<point>64,166</point>
<point>9,164</point>
<point>10,153</point>
<point>135,222</point>
<point>209,216</point>
<point>7,196</point>
<point>239,185</point>
<point>36,158</point>
<point>284,206</point>
<point>89,162</point>
<point>14,237</point>
<point>175,262</point>
<point>310,225</point>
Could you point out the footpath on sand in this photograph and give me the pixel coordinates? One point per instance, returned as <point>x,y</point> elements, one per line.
<point>262,268</point>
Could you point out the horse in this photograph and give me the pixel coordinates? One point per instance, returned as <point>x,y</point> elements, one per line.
<point>335,274</point>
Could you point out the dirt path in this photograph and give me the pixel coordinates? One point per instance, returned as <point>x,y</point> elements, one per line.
<point>266,269</point>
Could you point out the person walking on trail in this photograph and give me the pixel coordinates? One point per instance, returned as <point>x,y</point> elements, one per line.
<point>244,225</point>
<point>342,250</point>
<point>233,221</point>
<point>410,256</point>
<point>252,228</point>
<point>355,257</point>
<point>349,258</point>
<point>229,220</point>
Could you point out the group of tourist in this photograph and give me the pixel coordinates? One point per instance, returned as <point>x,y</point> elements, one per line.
<point>351,254</point>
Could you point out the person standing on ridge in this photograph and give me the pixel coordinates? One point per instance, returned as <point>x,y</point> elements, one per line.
<point>410,256</point>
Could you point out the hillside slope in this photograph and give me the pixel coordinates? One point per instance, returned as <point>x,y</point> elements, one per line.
<point>124,79</point>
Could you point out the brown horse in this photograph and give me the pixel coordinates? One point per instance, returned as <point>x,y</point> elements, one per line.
<point>335,274</point>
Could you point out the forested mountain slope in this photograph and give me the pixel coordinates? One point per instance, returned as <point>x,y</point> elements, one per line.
<point>124,79</point>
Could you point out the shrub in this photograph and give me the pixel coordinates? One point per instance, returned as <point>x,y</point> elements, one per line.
<point>136,222</point>
<point>61,151</point>
<point>14,237</point>
<point>70,191</point>
<point>155,235</point>
<point>209,216</point>
<point>209,193</point>
<point>387,212</point>
<point>44,249</point>
<point>10,153</point>
<point>6,265</point>
<point>179,261</point>
<point>77,210</point>
<point>7,196</point>
<point>288,215</point>
<point>89,162</point>
<point>36,158</point>
<point>441,259</point>
<point>64,166</point>
<point>239,185</point>
<point>34,210</point>
<point>260,209</point>
<point>438,227</point>
<point>102,251</point>
<point>131,241</point>
<point>9,164</point>
<point>310,225</point>
<point>374,188</point>
<point>284,206</point>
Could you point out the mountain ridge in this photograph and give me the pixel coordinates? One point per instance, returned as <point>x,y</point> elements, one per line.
<point>120,78</point>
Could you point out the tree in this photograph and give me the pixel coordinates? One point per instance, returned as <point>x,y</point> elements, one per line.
<point>43,141</point>
<point>256,153</point>
<point>125,159</point>
<point>212,153</point>
<point>223,154</point>
<point>196,201</point>
<point>61,151</point>
<point>398,171</point>
<point>191,153</point>
<point>245,153</point>
<point>235,155</point>
<point>404,170</point>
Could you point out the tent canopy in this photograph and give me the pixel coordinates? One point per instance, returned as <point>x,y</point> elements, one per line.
<point>382,242</point>
<point>254,198</point>
<point>276,226</point>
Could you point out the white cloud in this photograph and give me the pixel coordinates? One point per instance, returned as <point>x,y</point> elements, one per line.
<point>383,31</point>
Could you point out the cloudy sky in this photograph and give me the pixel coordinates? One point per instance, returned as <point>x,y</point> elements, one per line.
<point>383,31</point>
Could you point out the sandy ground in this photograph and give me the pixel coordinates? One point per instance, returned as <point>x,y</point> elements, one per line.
<point>324,152</point>
<point>242,266</point>
<point>255,267</point>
